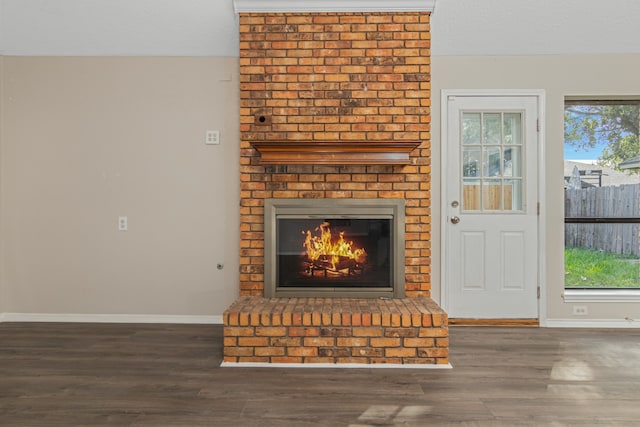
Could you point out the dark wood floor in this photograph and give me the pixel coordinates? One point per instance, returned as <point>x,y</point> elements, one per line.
<point>169,375</point>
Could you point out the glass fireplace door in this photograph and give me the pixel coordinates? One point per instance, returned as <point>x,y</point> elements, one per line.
<point>334,248</point>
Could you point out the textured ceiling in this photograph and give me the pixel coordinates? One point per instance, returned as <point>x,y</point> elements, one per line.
<point>208,27</point>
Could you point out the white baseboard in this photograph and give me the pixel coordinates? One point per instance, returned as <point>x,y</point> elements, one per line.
<point>592,323</point>
<point>109,318</point>
<point>217,320</point>
<point>333,365</point>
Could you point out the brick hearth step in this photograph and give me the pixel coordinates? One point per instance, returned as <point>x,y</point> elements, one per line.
<point>335,330</point>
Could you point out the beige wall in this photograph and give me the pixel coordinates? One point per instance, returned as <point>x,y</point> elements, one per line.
<point>84,140</point>
<point>3,296</point>
<point>559,76</point>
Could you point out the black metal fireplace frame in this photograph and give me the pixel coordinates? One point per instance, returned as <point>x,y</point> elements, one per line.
<point>393,209</point>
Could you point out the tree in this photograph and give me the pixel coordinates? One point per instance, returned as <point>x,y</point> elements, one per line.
<point>615,124</point>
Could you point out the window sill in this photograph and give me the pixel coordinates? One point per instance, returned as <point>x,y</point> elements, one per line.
<point>602,295</point>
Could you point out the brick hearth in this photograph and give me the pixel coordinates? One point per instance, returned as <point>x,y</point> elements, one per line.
<point>336,330</point>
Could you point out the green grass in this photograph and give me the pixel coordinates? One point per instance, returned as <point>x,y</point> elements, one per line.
<point>587,268</point>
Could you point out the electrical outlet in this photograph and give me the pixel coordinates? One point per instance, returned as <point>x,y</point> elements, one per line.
<point>213,137</point>
<point>580,310</point>
<point>123,223</point>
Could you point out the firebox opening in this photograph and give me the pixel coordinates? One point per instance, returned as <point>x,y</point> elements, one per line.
<point>334,252</point>
<point>334,248</point>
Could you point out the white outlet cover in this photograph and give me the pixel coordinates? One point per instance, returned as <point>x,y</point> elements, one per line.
<point>580,310</point>
<point>123,223</point>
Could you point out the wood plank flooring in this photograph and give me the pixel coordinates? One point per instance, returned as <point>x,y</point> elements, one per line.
<point>54,374</point>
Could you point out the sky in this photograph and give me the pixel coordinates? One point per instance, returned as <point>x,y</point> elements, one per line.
<point>573,153</point>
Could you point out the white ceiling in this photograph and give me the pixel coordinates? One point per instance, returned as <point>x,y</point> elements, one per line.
<point>209,27</point>
<point>534,27</point>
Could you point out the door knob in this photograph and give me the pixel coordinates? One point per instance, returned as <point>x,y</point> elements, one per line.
<point>455,220</point>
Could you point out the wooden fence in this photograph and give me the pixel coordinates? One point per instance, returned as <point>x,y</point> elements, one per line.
<point>604,202</point>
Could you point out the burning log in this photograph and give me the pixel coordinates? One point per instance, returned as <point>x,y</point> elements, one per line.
<point>327,262</point>
<point>344,266</point>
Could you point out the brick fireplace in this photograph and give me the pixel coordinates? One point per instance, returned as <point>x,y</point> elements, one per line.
<point>335,105</point>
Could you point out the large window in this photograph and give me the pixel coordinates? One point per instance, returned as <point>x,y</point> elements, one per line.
<point>602,187</point>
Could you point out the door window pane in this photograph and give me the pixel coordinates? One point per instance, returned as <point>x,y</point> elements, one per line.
<point>512,128</point>
<point>472,159</point>
<point>471,195</point>
<point>512,195</point>
<point>513,162</point>
<point>492,128</point>
<point>471,128</point>
<point>492,195</point>
<point>492,161</point>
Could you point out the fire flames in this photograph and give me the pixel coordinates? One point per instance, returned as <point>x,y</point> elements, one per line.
<point>333,254</point>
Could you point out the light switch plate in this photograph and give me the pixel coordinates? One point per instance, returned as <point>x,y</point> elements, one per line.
<point>213,137</point>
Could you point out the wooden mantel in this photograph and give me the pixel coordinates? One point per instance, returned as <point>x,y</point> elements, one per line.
<point>335,152</point>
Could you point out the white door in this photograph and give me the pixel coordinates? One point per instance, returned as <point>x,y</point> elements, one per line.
<point>490,237</point>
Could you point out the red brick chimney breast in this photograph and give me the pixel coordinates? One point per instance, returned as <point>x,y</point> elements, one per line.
<point>336,76</point>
